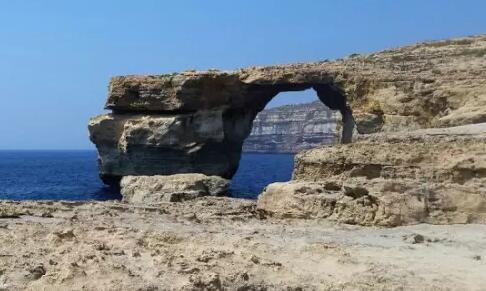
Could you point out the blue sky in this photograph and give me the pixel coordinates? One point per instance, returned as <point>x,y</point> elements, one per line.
<point>56,57</point>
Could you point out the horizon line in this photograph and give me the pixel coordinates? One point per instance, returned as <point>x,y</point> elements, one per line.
<point>87,149</point>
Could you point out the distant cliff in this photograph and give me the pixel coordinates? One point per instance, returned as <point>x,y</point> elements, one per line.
<point>291,128</point>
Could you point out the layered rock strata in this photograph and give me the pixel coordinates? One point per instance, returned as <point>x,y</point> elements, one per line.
<point>428,176</point>
<point>291,128</point>
<point>197,121</point>
<point>183,123</point>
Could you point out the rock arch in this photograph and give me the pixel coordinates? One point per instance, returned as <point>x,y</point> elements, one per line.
<point>192,122</point>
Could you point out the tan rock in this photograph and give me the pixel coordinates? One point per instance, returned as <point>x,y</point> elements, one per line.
<point>139,144</point>
<point>383,202</point>
<point>297,200</point>
<point>434,83</point>
<point>173,188</point>
<point>455,155</point>
<point>428,176</point>
<point>122,246</point>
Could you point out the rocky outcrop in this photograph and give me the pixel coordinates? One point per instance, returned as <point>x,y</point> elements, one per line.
<point>173,188</point>
<point>197,121</point>
<point>428,176</point>
<point>141,144</point>
<point>292,128</point>
<point>157,128</point>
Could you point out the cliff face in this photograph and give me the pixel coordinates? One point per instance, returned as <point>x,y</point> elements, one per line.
<point>291,128</point>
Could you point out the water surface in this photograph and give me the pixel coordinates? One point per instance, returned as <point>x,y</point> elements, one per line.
<point>258,170</point>
<point>73,175</point>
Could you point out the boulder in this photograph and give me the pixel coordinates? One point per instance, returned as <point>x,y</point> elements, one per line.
<point>172,188</point>
<point>297,200</point>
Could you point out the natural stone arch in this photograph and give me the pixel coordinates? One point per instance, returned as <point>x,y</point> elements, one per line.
<point>329,94</point>
<point>193,122</point>
<point>189,119</point>
<point>238,122</point>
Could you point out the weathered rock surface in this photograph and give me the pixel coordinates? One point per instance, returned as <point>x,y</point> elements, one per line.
<point>221,244</point>
<point>436,83</point>
<point>292,128</point>
<point>136,144</point>
<point>173,188</point>
<point>456,155</point>
<point>428,176</point>
<point>426,85</point>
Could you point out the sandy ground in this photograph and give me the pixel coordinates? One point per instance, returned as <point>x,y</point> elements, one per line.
<point>224,244</point>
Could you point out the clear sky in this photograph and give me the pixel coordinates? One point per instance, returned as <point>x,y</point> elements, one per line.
<point>56,57</point>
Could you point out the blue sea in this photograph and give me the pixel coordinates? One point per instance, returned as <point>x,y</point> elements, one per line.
<point>73,175</point>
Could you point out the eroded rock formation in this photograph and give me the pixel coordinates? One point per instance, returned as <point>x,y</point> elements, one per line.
<point>192,122</point>
<point>427,176</point>
<point>197,121</point>
<point>291,128</point>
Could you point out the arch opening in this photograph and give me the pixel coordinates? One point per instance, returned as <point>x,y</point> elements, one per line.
<point>295,118</point>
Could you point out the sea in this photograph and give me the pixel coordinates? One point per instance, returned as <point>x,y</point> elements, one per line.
<point>73,175</point>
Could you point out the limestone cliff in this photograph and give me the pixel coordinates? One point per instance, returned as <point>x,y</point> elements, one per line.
<point>291,128</point>
<point>196,122</point>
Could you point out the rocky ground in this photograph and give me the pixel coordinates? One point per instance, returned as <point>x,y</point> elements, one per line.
<point>223,243</point>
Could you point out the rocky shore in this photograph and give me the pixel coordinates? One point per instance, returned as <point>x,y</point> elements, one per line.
<point>225,244</point>
<point>409,220</point>
<point>399,204</point>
